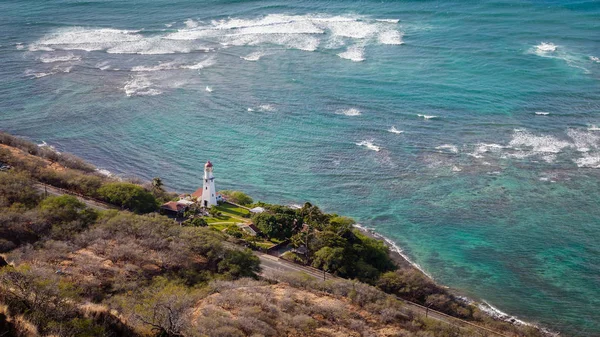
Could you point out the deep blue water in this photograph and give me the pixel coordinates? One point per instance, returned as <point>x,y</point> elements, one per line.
<point>497,196</point>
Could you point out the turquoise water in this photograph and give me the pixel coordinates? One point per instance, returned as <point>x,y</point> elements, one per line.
<point>497,196</point>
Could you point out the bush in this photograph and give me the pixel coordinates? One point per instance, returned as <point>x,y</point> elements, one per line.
<point>196,222</point>
<point>129,196</point>
<point>237,197</point>
<point>17,187</point>
<point>240,263</point>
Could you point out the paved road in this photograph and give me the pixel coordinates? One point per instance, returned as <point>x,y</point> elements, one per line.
<point>272,265</point>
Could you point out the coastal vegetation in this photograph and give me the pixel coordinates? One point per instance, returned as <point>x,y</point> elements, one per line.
<point>74,270</point>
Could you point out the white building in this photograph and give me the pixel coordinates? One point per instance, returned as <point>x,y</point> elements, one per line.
<point>207,196</point>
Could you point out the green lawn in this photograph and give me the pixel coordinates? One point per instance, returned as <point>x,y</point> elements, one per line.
<point>232,210</point>
<point>222,218</point>
<point>220,226</point>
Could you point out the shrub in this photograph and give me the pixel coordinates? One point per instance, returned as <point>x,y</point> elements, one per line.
<point>129,196</point>
<point>239,263</point>
<point>17,187</point>
<point>237,197</point>
<point>196,222</point>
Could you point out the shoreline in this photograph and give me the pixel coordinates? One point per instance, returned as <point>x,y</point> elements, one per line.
<point>403,261</point>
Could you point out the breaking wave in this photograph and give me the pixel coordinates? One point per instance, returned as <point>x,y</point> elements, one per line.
<point>427,116</point>
<point>550,50</point>
<point>255,56</point>
<point>369,145</point>
<point>302,32</point>
<point>447,148</point>
<point>47,58</point>
<point>349,112</point>
<point>394,130</point>
<point>140,86</point>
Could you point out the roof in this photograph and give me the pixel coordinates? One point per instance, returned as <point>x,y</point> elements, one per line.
<point>173,206</point>
<point>198,193</point>
<point>208,164</point>
<point>257,210</point>
<point>185,202</point>
<point>254,228</point>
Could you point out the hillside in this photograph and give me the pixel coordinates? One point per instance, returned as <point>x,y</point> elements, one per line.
<point>75,270</point>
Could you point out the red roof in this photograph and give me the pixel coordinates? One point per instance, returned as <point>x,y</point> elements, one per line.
<point>208,164</point>
<point>173,206</point>
<point>198,193</point>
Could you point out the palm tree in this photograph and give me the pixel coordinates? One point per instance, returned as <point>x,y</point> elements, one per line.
<point>157,183</point>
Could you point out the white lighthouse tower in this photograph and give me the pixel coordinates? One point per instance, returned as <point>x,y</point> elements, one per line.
<point>209,194</point>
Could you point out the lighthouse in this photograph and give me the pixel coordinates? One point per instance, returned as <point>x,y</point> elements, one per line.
<point>209,194</point>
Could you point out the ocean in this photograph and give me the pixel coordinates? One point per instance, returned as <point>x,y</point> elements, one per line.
<point>466,132</point>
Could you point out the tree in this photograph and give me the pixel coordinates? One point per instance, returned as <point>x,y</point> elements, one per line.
<point>157,183</point>
<point>130,196</point>
<point>66,208</point>
<point>66,214</point>
<point>330,259</point>
<point>164,308</point>
<point>17,187</point>
<point>237,197</point>
<point>239,263</point>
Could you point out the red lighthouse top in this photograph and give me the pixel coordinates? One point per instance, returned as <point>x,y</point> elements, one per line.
<point>208,164</point>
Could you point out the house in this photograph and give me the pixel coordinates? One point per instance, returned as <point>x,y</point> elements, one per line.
<point>173,208</point>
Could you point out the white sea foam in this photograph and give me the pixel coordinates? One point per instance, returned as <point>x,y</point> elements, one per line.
<point>302,32</point>
<point>482,148</point>
<point>208,89</point>
<point>549,50</point>
<point>55,70</point>
<point>85,38</point>
<point>593,128</point>
<point>255,56</point>
<point>594,59</point>
<point>103,65</point>
<point>542,113</point>
<point>369,145</point>
<point>250,110</point>
<point>160,66</point>
<point>393,37</point>
<point>589,161</point>
<point>427,116</point>
<point>393,246</point>
<point>388,20</point>
<point>19,46</point>
<point>140,86</point>
<point>584,141</point>
<point>394,130</point>
<point>104,172</point>
<point>349,112</point>
<point>447,148</point>
<point>495,312</point>
<point>546,47</point>
<point>48,58</point>
<point>45,145</point>
<point>354,53</point>
<point>533,144</point>
<point>267,107</point>
<point>189,23</point>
